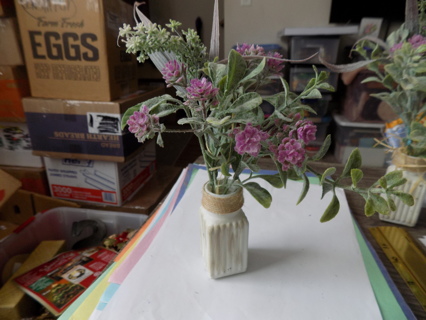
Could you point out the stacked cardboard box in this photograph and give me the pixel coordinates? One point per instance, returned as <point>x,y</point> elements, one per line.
<point>15,143</point>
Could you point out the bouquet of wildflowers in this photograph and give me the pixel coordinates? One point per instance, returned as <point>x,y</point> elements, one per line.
<point>222,108</point>
<point>399,64</point>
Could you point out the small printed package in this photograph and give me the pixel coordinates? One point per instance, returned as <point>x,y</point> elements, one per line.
<point>95,181</point>
<point>15,146</point>
<point>14,86</point>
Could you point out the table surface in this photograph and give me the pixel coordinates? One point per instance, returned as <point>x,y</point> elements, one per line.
<point>356,203</point>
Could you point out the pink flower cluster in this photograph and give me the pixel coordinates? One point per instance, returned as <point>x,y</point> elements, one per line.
<point>416,41</point>
<point>250,50</point>
<point>291,150</point>
<point>275,66</point>
<point>201,90</point>
<point>141,123</point>
<point>174,73</point>
<point>249,140</point>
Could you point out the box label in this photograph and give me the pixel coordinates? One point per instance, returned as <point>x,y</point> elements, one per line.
<point>91,134</point>
<point>84,194</point>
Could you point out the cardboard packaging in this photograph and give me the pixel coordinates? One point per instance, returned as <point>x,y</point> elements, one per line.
<point>71,49</point>
<point>8,186</point>
<point>82,129</point>
<point>97,181</point>
<point>14,303</point>
<point>7,8</point>
<point>24,205</point>
<point>14,85</point>
<point>32,179</point>
<point>10,44</point>
<point>15,146</point>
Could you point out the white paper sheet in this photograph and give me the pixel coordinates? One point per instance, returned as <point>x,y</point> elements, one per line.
<point>298,267</point>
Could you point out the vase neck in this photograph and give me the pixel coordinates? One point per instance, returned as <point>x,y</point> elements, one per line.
<point>405,162</point>
<point>222,203</point>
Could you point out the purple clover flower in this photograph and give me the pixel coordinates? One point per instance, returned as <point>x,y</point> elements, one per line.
<point>201,90</point>
<point>250,50</point>
<point>249,140</point>
<point>174,73</point>
<point>417,40</point>
<point>141,123</point>
<point>289,152</point>
<point>275,66</point>
<point>306,131</point>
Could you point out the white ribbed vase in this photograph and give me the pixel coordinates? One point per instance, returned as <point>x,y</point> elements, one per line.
<point>414,170</point>
<point>224,233</point>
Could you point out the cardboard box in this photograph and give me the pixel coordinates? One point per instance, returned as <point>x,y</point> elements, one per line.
<point>14,86</point>
<point>15,304</point>
<point>8,186</point>
<point>15,146</point>
<point>6,228</point>
<point>82,129</point>
<point>10,43</point>
<point>71,49</point>
<point>24,205</point>
<point>32,179</point>
<point>7,8</point>
<point>97,181</point>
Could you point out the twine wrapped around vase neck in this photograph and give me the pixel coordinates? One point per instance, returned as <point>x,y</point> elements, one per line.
<point>413,164</point>
<point>222,204</point>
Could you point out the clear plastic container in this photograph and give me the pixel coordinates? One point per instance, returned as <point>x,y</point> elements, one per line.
<point>304,47</point>
<point>56,224</point>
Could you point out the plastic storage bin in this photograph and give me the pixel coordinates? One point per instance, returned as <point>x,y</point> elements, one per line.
<point>320,106</point>
<point>350,135</point>
<point>300,76</point>
<point>55,224</point>
<point>304,47</point>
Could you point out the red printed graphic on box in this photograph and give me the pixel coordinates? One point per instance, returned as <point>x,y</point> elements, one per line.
<point>141,178</point>
<point>84,194</point>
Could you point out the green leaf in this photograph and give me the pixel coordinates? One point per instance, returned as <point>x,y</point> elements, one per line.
<point>405,197</point>
<point>160,141</point>
<point>332,210</point>
<point>354,162</point>
<point>273,179</point>
<point>326,188</point>
<point>192,120</point>
<point>246,102</point>
<point>324,149</point>
<point>328,172</point>
<point>259,193</point>
<point>305,189</point>
<point>391,204</point>
<point>383,182</point>
<point>218,122</point>
<point>236,70</point>
<point>224,169</point>
<point>282,174</point>
<point>326,86</point>
<point>393,177</point>
<point>369,208</point>
<point>255,71</point>
<point>380,204</point>
<point>314,94</point>
<point>356,176</point>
